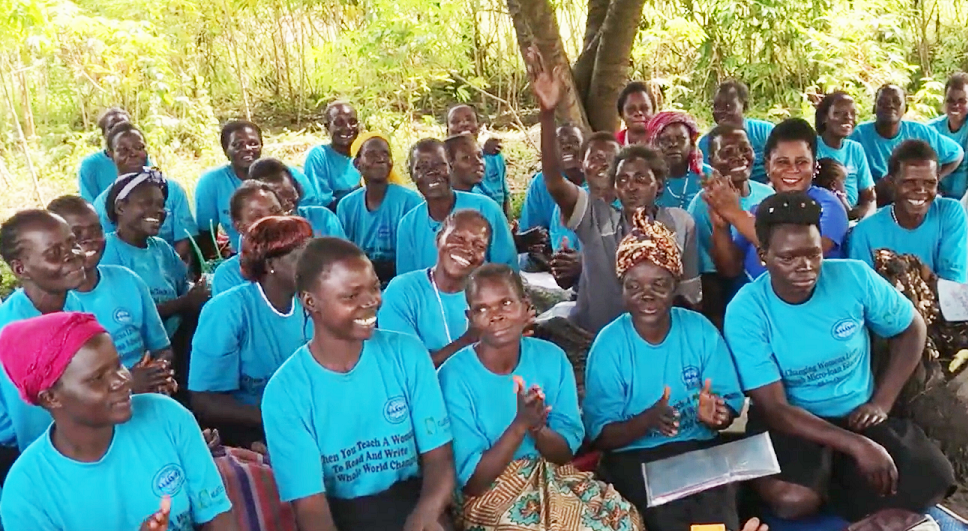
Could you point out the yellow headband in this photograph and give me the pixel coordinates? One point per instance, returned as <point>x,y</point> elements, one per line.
<point>394,177</point>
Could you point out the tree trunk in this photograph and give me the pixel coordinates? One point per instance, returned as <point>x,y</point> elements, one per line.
<point>585,64</point>
<point>535,22</point>
<point>612,62</point>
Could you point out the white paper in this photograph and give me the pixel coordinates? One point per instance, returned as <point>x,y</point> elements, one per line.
<point>541,280</point>
<point>953,299</point>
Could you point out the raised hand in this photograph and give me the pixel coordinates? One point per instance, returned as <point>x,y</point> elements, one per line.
<point>712,408</point>
<point>492,146</point>
<point>159,520</point>
<point>663,417</point>
<point>546,84</point>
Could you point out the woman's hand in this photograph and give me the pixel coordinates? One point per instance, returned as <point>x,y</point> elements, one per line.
<point>720,195</point>
<point>547,86</point>
<point>753,524</point>
<point>492,146</point>
<point>199,294</point>
<point>159,520</point>
<point>566,264</point>
<point>153,376</point>
<point>865,416</point>
<point>712,409</point>
<point>212,439</point>
<point>875,464</point>
<point>662,417</point>
<point>532,413</point>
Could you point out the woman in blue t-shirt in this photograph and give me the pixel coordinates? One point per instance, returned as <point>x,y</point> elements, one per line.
<point>97,170</point>
<point>247,332</point>
<point>514,407</point>
<point>121,302</point>
<point>110,460</point>
<point>251,202</point>
<point>835,119</point>
<point>355,421</point>
<point>279,177</point>
<point>674,134</point>
<point>659,382</point>
<point>429,304</point>
<point>799,338</point>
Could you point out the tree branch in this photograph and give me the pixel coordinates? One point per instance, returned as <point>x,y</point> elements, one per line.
<point>611,69</point>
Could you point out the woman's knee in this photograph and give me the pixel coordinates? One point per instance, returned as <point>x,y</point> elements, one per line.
<point>791,502</point>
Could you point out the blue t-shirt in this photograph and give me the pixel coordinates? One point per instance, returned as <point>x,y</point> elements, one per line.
<point>241,340</point>
<point>851,155</point>
<point>20,422</point>
<point>333,174</point>
<point>818,349</point>
<point>227,275</point>
<point>376,231</point>
<point>495,183</point>
<point>417,234</point>
<point>411,305</point>
<point>213,195</point>
<point>538,207</point>
<point>559,231</point>
<point>357,433</point>
<point>96,174</point>
<point>956,183</point>
<point>679,192</point>
<point>483,404</point>
<point>159,267</point>
<point>123,305</point>
<point>758,132</point>
<point>159,452</point>
<point>179,222</point>
<point>699,211</point>
<point>323,221</point>
<point>626,375</point>
<point>878,149</point>
<point>833,225</point>
<point>941,242</point>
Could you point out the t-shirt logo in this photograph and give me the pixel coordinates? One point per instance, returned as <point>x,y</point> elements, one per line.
<point>690,377</point>
<point>168,481</point>
<point>383,231</point>
<point>395,410</point>
<point>844,328</point>
<point>122,316</point>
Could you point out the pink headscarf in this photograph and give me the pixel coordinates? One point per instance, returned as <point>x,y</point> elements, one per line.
<point>35,352</point>
<point>665,119</point>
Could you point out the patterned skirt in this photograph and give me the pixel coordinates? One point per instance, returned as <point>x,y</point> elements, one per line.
<point>534,494</point>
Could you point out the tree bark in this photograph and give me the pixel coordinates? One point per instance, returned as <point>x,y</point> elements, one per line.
<point>585,64</point>
<point>535,22</point>
<point>610,73</point>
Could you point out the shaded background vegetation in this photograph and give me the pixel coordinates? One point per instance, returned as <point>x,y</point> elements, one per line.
<point>182,66</point>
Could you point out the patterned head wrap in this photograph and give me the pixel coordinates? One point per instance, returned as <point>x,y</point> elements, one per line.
<point>394,177</point>
<point>666,118</point>
<point>35,352</point>
<point>129,181</point>
<point>649,240</point>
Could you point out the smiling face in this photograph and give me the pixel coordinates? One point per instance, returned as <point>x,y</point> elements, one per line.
<point>842,117</point>
<point>956,104</point>
<point>599,155</point>
<point>675,143</point>
<point>343,125</point>
<point>733,156</point>
<point>462,120</point>
<point>890,105</point>
<point>143,211</point>
<point>374,161</point>
<point>569,147</point>
<point>128,152</point>
<point>260,204</point>
<point>793,260</point>
<point>344,300</point>
<point>467,167</point>
<point>89,235</point>
<point>637,111</point>
<point>728,108</point>
<point>648,292</point>
<point>285,191</point>
<point>244,147</point>
<point>916,186</point>
<point>95,389</point>
<point>791,166</point>
<point>498,311</point>
<point>462,246</point>
<point>50,257</point>
<point>636,185</point>
<point>431,173</point>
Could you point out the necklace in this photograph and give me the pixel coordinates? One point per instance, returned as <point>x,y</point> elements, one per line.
<point>681,199</point>
<point>440,304</point>
<point>894,216</point>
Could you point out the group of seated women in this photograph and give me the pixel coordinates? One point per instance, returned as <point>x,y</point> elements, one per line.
<point>362,333</point>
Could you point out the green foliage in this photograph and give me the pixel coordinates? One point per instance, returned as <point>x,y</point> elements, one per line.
<point>182,66</point>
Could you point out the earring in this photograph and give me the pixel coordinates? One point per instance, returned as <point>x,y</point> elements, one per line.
<point>272,271</point>
<point>816,169</point>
